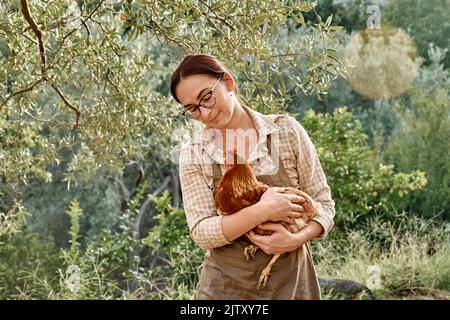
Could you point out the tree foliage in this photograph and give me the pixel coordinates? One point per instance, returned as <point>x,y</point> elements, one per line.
<point>80,76</point>
<point>85,113</point>
<point>425,20</point>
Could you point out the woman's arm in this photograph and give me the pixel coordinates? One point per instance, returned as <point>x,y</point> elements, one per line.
<point>236,224</point>
<point>205,224</point>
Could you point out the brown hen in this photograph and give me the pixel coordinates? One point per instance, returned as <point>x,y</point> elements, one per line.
<point>239,188</point>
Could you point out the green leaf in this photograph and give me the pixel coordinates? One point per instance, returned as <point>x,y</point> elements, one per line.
<point>328,22</point>
<point>299,18</point>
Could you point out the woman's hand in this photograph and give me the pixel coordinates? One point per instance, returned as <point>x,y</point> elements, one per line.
<point>280,241</point>
<point>279,206</point>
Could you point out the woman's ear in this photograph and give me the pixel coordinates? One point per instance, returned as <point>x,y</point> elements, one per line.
<point>229,81</point>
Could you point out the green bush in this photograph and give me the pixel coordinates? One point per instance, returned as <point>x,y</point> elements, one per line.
<point>422,142</point>
<point>24,258</point>
<point>361,183</point>
<point>170,243</point>
<point>171,226</point>
<point>101,270</point>
<point>114,266</point>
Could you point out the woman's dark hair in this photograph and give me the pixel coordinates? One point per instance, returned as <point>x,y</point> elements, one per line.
<point>196,64</point>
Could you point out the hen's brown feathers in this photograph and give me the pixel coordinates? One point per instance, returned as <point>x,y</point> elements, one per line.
<point>239,188</point>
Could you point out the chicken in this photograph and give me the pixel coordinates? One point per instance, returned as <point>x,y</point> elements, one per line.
<point>239,188</point>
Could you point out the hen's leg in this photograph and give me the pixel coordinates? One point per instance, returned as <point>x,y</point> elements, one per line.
<point>266,273</point>
<point>250,251</point>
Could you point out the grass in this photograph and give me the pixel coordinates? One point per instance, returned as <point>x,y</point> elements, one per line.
<point>406,261</point>
<point>406,258</point>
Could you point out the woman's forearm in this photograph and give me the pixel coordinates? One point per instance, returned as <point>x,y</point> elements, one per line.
<point>312,230</point>
<point>236,224</point>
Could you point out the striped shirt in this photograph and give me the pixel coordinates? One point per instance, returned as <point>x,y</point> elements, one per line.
<point>294,147</point>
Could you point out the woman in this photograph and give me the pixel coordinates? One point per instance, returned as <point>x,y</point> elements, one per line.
<point>281,155</point>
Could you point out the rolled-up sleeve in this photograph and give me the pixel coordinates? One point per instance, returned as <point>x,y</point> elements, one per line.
<point>311,176</point>
<point>205,224</point>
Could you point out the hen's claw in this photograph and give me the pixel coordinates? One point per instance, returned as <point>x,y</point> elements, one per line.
<point>250,251</point>
<point>263,277</point>
<point>266,272</point>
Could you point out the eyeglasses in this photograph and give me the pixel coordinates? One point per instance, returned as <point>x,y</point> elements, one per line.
<point>207,101</point>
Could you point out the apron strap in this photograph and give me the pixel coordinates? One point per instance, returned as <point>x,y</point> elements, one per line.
<point>217,175</point>
<point>281,174</point>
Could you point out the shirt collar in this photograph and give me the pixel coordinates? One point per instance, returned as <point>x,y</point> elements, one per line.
<point>265,124</point>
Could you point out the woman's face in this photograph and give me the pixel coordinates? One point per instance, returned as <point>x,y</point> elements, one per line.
<point>191,89</point>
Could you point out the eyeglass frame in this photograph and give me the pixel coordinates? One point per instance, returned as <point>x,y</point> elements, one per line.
<point>199,105</point>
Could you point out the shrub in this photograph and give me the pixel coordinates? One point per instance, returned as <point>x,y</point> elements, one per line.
<point>180,259</point>
<point>421,142</point>
<point>25,256</point>
<point>361,183</point>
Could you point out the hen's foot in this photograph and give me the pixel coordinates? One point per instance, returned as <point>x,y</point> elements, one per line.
<point>263,277</point>
<point>250,251</point>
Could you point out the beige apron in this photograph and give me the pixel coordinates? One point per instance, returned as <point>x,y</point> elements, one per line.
<point>226,274</point>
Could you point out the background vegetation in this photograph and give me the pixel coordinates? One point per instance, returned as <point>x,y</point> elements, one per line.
<point>90,204</point>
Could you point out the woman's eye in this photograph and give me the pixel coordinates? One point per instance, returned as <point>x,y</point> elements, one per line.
<point>206,97</point>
